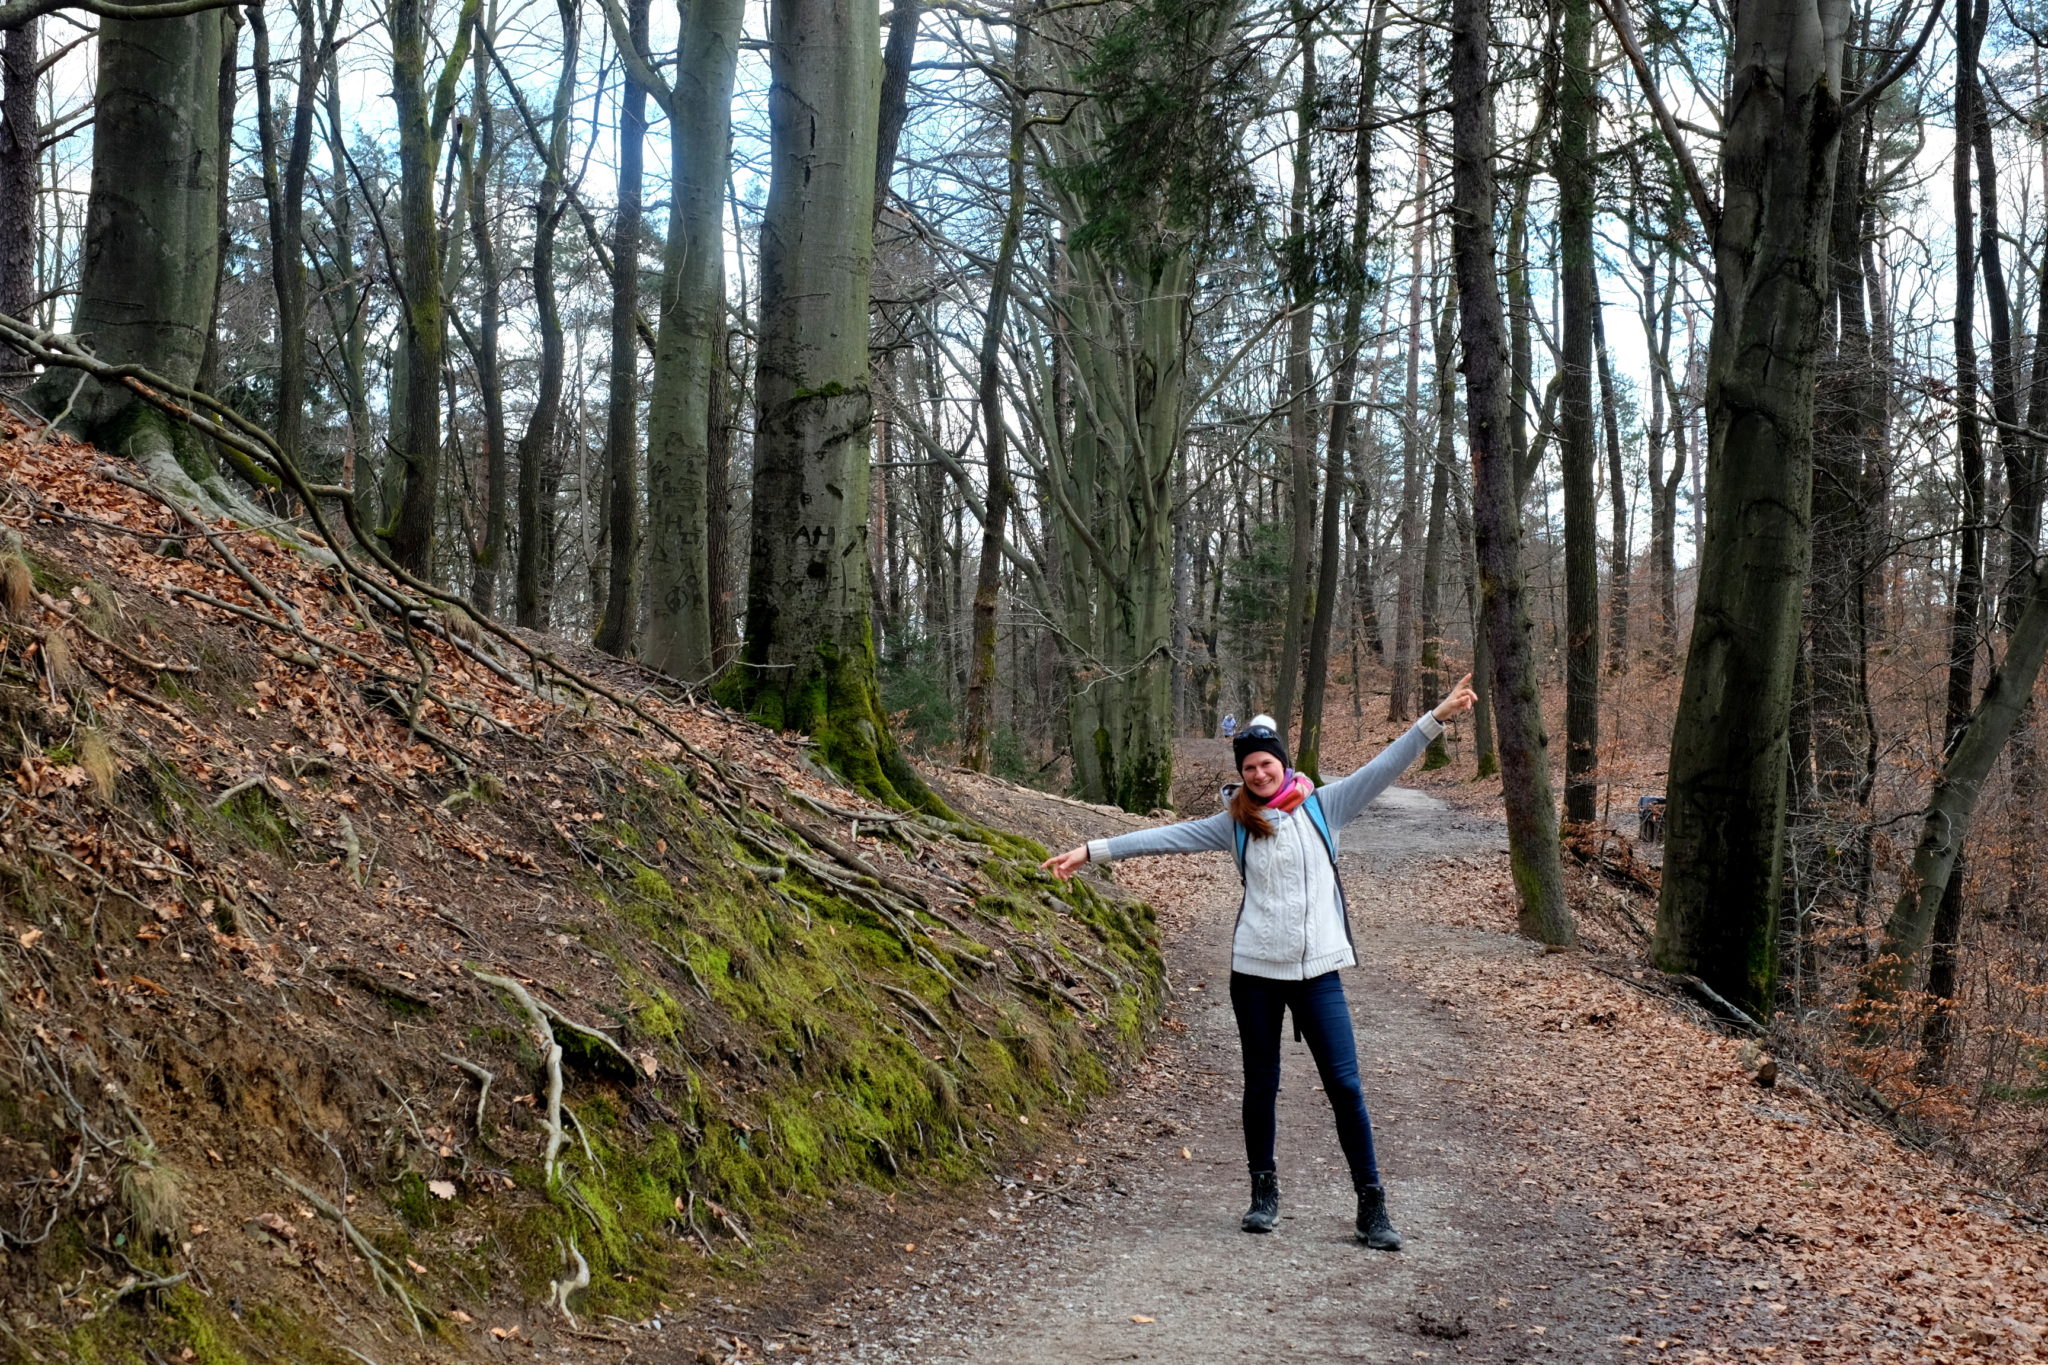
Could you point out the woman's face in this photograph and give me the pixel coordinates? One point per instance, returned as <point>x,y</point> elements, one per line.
<point>1262,775</point>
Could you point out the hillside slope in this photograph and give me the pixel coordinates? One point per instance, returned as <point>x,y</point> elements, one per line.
<point>371,990</point>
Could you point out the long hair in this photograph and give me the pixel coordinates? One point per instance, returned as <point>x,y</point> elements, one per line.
<point>1250,813</point>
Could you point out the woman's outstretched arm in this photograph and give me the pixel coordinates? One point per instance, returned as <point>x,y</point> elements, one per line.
<point>1209,834</point>
<point>1346,799</point>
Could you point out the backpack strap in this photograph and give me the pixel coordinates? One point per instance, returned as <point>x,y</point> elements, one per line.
<point>1313,808</point>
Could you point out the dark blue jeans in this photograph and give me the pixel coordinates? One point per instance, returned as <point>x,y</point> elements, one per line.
<point>1324,1021</point>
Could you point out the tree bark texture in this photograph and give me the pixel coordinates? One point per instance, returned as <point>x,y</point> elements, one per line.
<point>808,660</point>
<point>1337,440</point>
<point>1953,804</point>
<point>618,629</point>
<point>689,353</point>
<point>1532,818</point>
<point>534,570</point>
<point>1718,912</point>
<point>978,725</point>
<point>1301,458</point>
<point>490,554</point>
<point>19,143</point>
<point>1577,112</point>
<point>422,114</point>
<point>1619,560</point>
<point>1434,545</point>
<point>151,250</point>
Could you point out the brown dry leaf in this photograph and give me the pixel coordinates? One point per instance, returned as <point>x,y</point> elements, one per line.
<point>441,1189</point>
<point>1140,1317</point>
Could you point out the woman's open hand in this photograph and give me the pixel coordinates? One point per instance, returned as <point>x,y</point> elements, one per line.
<point>1458,703</point>
<point>1065,865</point>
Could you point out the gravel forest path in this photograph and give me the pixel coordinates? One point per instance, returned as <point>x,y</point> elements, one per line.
<point>1139,1257</point>
<point>1582,1173</point>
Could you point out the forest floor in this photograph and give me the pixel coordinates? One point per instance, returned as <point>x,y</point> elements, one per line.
<point>1583,1169</point>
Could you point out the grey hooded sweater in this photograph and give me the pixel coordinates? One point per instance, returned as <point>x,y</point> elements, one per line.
<point>1291,926</point>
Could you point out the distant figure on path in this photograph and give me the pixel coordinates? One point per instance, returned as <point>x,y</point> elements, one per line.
<point>1292,936</point>
<point>1230,725</point>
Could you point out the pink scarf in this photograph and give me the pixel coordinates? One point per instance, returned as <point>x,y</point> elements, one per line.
<point>1292,793</point>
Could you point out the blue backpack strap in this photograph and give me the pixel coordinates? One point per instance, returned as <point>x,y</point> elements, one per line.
<point>1313,808</point>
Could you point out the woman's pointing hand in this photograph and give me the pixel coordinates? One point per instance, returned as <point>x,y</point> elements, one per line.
<point>1458,703</point>
<point>1065,865</point>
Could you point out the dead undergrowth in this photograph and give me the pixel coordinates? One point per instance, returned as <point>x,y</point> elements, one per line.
<point>378,985</point>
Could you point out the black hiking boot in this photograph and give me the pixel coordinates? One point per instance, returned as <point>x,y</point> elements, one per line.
<point>1374,1228</point>
<point>1265,1210</point>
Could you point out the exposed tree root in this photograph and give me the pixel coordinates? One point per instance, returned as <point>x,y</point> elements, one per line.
<point>381,1268</point>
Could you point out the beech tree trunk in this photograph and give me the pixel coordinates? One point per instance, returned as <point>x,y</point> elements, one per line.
<point>490,553</point>
<point>808,660</point>
<point>19,141</point>
<point>1434,546</point>
<point>534,571</point>
<point>422,115</point>
<point>978,723</point>
<point>1337,440</point>
<point>689,354</point>
<point>151,251</point>
<point>1717,916</point>
<point>1578,109</point>
<point>1532,818</point>
<point>618,629</point>
<point>1301,459</point>
<point>1618,490</point>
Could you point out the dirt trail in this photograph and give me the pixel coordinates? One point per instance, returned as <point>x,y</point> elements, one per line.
<point>1583,1169</point>
<point>1138,1255</point>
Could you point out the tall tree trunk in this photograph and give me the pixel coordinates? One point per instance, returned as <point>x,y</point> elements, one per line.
<point>718,501</point>
<point>534,571</point>
<point>1577,112</point>
<point>151,251</point>
<point>897,54</point>
<point>285,197</point>
<point>1343,416</point>
<point>1618,556</point>
<point>1717,916</point>
<point>1843,434</point>
<point>1966,626</point>
<point>808,662</point>
<point>1401,686</point>
<point>1485,751</point>
<point>1301,459</point>
<point>1433,544</point>
<point>975,734</point>
<point>689,354</point>
<point>490,555</point>
<point>1952,806</point>
<point>1532,818</point>
<point>422,115</point>
<point>20,143</point>
<point>618,630</point>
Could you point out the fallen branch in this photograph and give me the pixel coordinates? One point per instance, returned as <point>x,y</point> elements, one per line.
<point>1712,998</point>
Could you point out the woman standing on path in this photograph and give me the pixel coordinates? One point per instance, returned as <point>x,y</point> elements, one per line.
<point>1292,937</point>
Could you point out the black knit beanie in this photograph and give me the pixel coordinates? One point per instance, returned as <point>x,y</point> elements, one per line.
<point>1244,746</point>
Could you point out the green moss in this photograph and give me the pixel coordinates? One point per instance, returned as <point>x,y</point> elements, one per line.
<point>412,1201</point>
<point>169,1324</point>
<point>259,818</point>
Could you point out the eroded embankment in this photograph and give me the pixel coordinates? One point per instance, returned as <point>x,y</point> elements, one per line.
<point>366,995</point>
